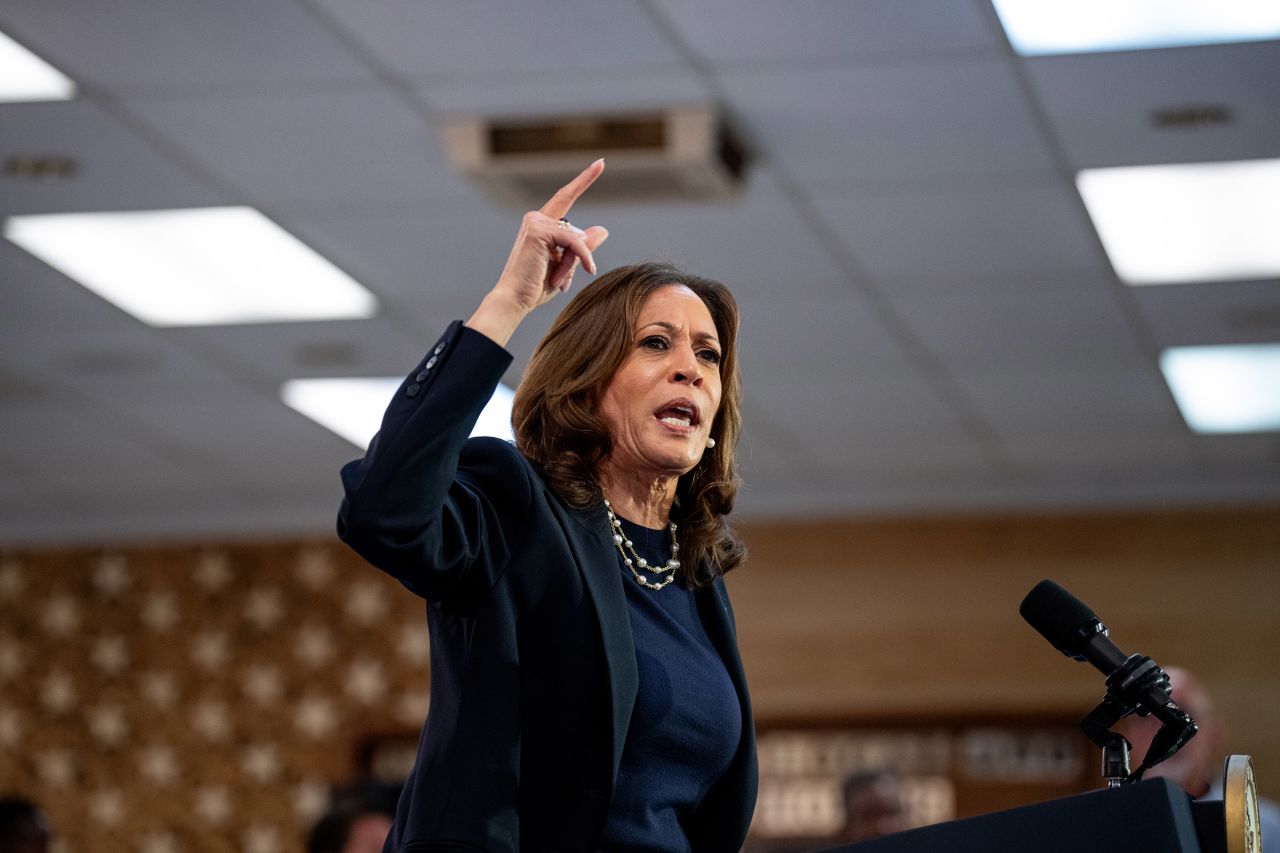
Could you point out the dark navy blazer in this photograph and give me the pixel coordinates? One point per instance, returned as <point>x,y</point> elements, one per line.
<point>533,670</point>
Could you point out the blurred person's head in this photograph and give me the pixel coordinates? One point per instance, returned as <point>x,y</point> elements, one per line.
<point>357,822</point>
<point>23,828</point>
<point>1198,764</point>
<point>874,806</point>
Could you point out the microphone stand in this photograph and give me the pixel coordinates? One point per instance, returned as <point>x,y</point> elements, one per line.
<point>1129,689</point>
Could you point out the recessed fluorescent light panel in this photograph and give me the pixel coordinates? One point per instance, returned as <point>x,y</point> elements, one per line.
<point>26,77</point>
<point>353,408</point>
<point>195,267</point>
<point>1188,222</point>
<point>1039,27</point>
<point>1226,389</point>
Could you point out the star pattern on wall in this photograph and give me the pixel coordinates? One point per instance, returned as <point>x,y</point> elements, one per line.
<point>58,693</point>
<point>160,611</point>
<point>262,683</point>
<point>111,576</point>
<point>311,799</point>
<point>260,762</point>
<point>13,659</point>
<point>314,646</point>
<point>366,603</point>
<point>366,682</point>
<point>158,764</point>
<point>110,654</point>
<point>60,616</point>
<point>160,689</point>
<point>213,570</point>
<point>160,842</point>
<point>316,717</point>
<point>57,767</point>
<point>212,803</point>
<point>107,806</point>
<point>211,719</point>
<point>314,568</point>
<point>12,582</point>
<point>108,724</point>
<point>211,650</point>
<point>262,839</point>
<point>264,609</point>
<point>182,700</point>
<point>11,727</point>
<point>413,644</point>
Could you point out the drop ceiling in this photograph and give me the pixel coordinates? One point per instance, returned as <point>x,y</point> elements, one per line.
<point>930,322</point>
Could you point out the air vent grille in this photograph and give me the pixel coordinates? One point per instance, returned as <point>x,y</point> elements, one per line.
<point>686,153</point>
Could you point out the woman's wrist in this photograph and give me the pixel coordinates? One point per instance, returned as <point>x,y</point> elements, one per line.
<point>497,317</point>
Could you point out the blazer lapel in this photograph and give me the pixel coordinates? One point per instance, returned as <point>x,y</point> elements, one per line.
<point>591,541</point>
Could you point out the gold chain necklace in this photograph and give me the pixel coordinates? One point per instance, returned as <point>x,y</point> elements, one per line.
<point>635,562</point>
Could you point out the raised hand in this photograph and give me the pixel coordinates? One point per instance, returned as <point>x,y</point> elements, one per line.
<point>546,253</point>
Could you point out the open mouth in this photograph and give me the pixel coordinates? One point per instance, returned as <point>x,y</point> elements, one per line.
<point>678,415</point>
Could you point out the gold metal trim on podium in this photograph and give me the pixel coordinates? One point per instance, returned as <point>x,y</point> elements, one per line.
<point>1240,806</point>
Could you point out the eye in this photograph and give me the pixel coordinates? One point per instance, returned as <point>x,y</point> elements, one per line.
<point>710,356</point>
<point>655,342</point>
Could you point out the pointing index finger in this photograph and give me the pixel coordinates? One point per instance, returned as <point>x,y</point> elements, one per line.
<point>558,205</point>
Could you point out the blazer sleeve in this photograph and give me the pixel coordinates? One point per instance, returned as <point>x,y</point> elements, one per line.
<point>440,513</point>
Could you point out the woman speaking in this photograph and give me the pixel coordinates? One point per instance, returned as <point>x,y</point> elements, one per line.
<point>586,689</point>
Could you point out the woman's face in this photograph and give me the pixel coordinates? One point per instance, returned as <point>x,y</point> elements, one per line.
<point>660,405</point>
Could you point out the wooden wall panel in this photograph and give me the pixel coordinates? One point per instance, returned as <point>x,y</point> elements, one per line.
<point>921,616</point>
<point>838,621</point>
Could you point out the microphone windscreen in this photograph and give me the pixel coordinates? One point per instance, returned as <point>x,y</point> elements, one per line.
<point>1057,615</point>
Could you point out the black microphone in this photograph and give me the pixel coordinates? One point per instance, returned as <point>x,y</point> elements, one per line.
<point>1072,628</point>
<point>1134,680</point>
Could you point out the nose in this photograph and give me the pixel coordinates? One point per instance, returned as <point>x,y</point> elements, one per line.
<point>685,366</point>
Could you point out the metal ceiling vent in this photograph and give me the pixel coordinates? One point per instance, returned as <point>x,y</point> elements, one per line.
<point>685,153</point>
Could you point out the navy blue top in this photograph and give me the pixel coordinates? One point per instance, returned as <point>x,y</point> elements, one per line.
<point>686,723</point>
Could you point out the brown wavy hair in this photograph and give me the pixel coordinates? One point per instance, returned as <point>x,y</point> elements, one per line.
<point>559,429</point>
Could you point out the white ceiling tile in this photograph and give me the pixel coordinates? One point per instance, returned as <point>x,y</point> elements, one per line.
<point>1044,328</point>
<point>912,122</point>
<point>1257,453</point>
<point>115,362</point>
<point>1235,312</point>
<point>264,439</point>
<point>493,37</point>
<point>757,243</point>
<point>796,332</point>
<point>566,91</point>
<point>349,147</point>
<point>1095,400</point>
<point>275,352</point>
<point>134,45</point>
<point>1022,229</point>
<point>76,456</point>
<point>998,283</point>
<point>428,265</point>
<point>1143,450</point>
<point>732,32</point>
<point>38,300</point>
<point>115,168</point>
<point>1101,104</point>
<point>822,405</point>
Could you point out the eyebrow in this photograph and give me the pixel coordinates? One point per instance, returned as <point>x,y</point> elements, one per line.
<point>701,337</point>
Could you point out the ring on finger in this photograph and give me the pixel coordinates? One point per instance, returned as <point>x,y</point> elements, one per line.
<point>564,223</point>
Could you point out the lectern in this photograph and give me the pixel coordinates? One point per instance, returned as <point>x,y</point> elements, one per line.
<point>1155,816</point>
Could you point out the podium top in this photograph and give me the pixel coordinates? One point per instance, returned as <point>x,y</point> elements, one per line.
<point>1149,817</point>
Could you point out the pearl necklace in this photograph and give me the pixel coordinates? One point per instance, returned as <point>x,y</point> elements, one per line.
<point>635,562</point>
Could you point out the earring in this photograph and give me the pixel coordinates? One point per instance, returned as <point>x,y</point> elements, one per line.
<point>711,442</point>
